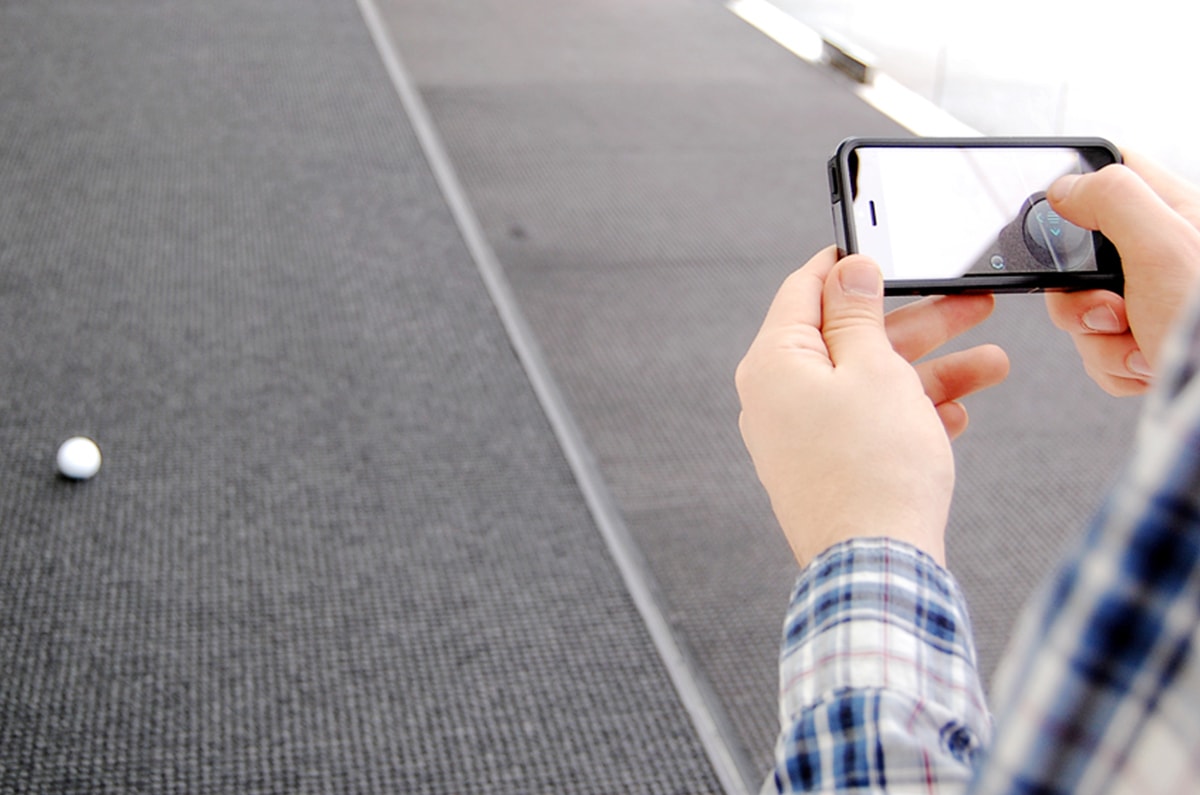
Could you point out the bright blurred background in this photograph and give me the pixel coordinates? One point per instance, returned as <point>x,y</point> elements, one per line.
<point>1121,70</point>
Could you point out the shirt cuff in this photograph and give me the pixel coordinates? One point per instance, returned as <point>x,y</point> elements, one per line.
<point>879,614</point>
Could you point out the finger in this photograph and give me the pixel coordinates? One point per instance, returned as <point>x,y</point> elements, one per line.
<point>852,323</point>
<point>1088,312</point>
<point>1116,201</point>
<point>954,418</point>
<point>798,301</point>
<point>1115,362</point>
<point>1119,387</point>
<point>923,326</point>
<point>954,376</point>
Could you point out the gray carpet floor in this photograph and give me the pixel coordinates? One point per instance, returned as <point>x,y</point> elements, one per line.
<point>335,546</point>
<point>648,173</point>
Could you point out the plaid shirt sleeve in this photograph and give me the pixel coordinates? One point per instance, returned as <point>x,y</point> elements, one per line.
<point>879,689</point>
<point>1101,689</point>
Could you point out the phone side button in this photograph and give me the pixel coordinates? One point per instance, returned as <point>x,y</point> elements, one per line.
<point>835,193</point>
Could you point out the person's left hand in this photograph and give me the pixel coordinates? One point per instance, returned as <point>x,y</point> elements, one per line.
<point>847,436</point>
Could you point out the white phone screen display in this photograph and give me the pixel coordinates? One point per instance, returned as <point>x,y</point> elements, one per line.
<point>952,212</point>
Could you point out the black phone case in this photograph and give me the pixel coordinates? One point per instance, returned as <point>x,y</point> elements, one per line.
<point>1108,277</point>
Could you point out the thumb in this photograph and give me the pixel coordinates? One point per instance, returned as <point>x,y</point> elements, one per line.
<point>852,311</point>
<point>1159,248</point>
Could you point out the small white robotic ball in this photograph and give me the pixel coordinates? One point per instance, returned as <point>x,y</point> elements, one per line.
<point>78,458</point>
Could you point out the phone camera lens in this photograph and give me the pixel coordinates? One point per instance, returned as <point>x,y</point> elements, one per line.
<point>1052,240</point>
<point>998,262</point>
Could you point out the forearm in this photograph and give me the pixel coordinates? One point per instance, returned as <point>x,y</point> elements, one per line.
<point>879,682</point>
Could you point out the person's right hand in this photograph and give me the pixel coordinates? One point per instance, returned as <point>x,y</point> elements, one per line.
<point>1153,218</point>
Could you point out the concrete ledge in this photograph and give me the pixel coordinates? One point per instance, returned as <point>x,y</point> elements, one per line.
<point>850,60</point>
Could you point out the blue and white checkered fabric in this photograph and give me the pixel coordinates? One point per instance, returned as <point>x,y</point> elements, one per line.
<point>1102,689</point>
<point>879,685</point>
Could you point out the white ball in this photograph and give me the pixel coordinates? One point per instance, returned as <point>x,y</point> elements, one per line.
<point>78,458</point>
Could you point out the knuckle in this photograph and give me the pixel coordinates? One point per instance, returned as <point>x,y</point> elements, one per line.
<point>1114,180</point>
<point>1061,307</point>
<point>742,374</point>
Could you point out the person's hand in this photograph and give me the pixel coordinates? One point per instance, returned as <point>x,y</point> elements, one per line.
<point>848,438</point>
<point>1152,218</point>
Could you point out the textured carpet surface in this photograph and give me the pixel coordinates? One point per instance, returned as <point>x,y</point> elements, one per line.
<point>334,546</point>
<point>648,173</point>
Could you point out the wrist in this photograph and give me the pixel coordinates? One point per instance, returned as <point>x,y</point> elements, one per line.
<point>918,522</point>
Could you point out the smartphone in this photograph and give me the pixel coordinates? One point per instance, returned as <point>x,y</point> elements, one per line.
<point>955,215</point>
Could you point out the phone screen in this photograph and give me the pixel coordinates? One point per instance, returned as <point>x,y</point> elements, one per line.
<point>930,212</point>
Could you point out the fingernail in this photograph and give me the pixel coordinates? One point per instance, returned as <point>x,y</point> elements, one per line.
<point>1137,364</point>
<point>1062,187</point>
<point>1102,319</point>
<point>861,277</point>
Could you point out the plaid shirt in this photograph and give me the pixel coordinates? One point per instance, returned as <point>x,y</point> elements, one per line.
<point>880,690</point>
<point>1100,690</point>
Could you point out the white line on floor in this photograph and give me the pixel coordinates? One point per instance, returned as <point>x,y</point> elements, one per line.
<point>702,706</point>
